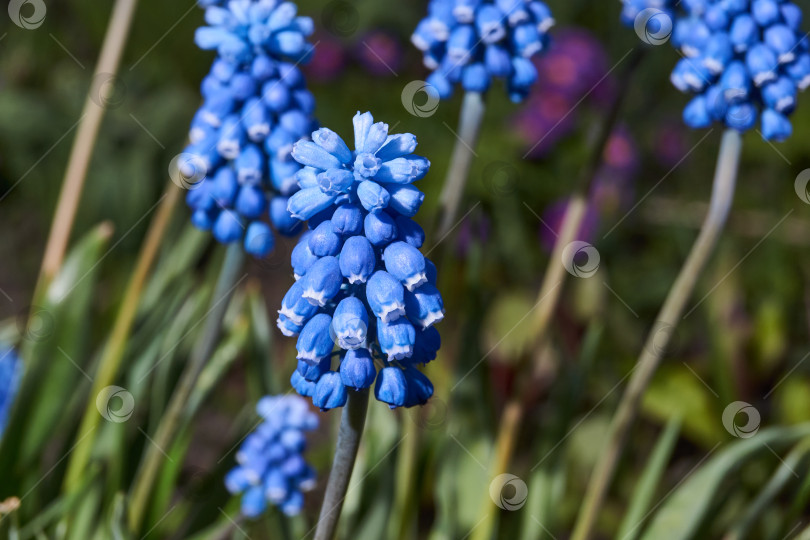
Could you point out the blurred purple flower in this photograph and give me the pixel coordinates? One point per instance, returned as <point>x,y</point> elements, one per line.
<point>621,152</point>
<point>670,144</point>
<point>328,60</point>
<point>613,187</point>
<point>544,121</point>
<point>552,223</point>
<point>380,53</point>
<point>574,64</point>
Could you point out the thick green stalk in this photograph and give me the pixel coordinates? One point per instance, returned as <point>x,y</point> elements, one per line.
<point>352,421</point>
<point>114,350</point>
<point>725,178</point>
<point>229,277</point>
<point>472,113</point>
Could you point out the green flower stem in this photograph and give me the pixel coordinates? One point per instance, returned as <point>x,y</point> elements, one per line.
<point>472,113</point>
<point>229,277</point>
<point>722,196</point>
<point>352,421</point>
<point>550,291</point>
<point>114,350</point>
<point>82,150</point>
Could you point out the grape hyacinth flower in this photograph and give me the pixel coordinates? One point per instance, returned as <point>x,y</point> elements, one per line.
<point>361,282</point>
<point>746,60</point>
<point>255,106</point>
<point>10,375</point>
<point>474,41</point>
<point>271,465</point>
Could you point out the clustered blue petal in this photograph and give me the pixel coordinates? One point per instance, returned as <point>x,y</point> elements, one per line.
<point>362,285</point>
<point>632,9</point>
<point>10,374</point>
<point>271,465</point>
<point>255,106</point>
<point>745,59</point>
<point>473,41</point>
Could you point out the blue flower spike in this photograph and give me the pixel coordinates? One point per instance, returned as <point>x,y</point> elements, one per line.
<point>745,60</point>
<point>473,42</point>
<point>271,469</point>
<point>364,301</point>
<point>238,167</point>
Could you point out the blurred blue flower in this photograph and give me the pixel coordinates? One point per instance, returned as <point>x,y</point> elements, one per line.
<point>237,167</point>
<point>473,41</point>
<point>271,466</point>
<point>361,282</point>
<point>10,374</point>
<point>746,61</point>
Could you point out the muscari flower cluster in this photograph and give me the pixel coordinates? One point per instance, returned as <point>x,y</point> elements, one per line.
<point>10,375</point>
<point>745,60</point>
<point>256,105</point>
<point>271,465</point>
<point>473,41</point>
<point>361,282</point>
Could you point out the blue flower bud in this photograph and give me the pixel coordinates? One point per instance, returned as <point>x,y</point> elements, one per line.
<point>296,122</point>
<point>781,40</point>
<point>330,392</point>
<point>735,81</point>
<point>741,117</point>
<point>202,220</point>
<point>391,387</point>
<point>295,307</point>
<point>526,40</point>
<point>405,199</point>
<point>475,78</point>
<point>409,231</point>
<point>744,32</point>
<point>403,170</point>
<point>307,177</point>
<point>765,12</point>
<point>242,86</point>
<point>718,53</point>
<point>366,165</point>
<point>461,43</point>
<point>281,219</point>
<point>775,126</point>
<point>335,181</point>
<point>323,241</point>
<point>357,260</point>
<point>396,146</point>
<point>259,240</point>
<point>276,487</point>
<point>780,95</point>
<point>263,67</point>
<point>322,281</point>
<point>405,263</point>
<point>332,143</point>
<point>428,341</point>
<point>253,502</point>
<point>314,343</point>
<point>357,369</point>
<point>301,385</point>
<point>424,305</point>
<point>256,119</point>
<point>696,113</point>
<point>372,196</point>
<point>420,389</point>
<point>380,229</point>
<point>225,187</point>
<point>276,95</point>
<point>236,480</point>
<point>280,143</point>
<point>282,172</point>
<point>288,327</point>
<point>228,227</point>
<point>524,74</point>
<point>305,102</point>
<point>441,84</point>
<point>309,153</point>
<point>302,258</point>
<point>362,124</point>
<point>396,338</point>
<point>386,296</point>
<point>308,202</point>
<point>232,137</point>
<point>350,323</point>
<point>250,202</point>
<point>347,220</point>
<point>761,63</point>
<point>431,272</point>
<point>489,22</point>
<point>313,372</point>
